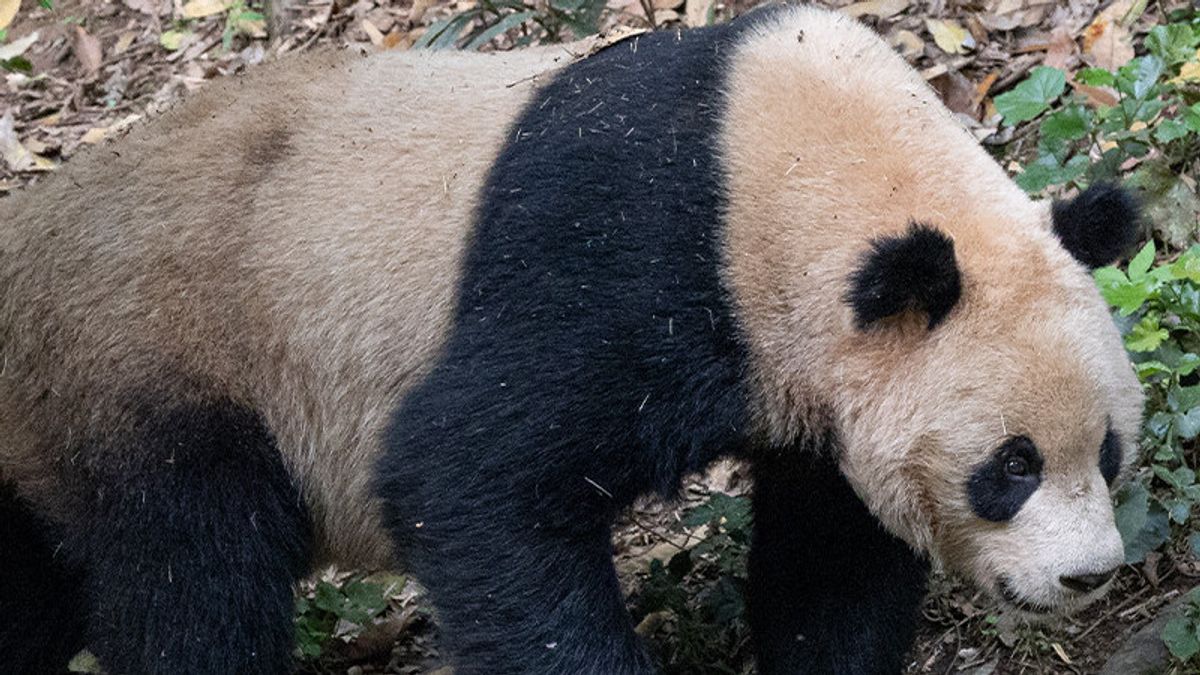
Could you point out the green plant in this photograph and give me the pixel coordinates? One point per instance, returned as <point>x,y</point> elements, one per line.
<point>240,19</point>
<point>1158,310</point>
<point>1141,122</point>
<point>537,22</point>
<point>1182,633</point>
<point>700,592</point>
<point>331,611</point>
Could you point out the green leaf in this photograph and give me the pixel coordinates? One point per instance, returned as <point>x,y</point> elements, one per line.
<point>1173,43</point>
<point>1033,96</point>
<point>1144,525</point>
<point>1095,77</point>
<point>1146,336</point>
<point>46,4</point>
<point>17,64</point>
<point>1170,130</point>
<point>1069,124</point>
<point>1046,171</point>
<point>499,28</point>
<point>1140,265</point>
<point>1180,637</point>
<point>1139,76</point>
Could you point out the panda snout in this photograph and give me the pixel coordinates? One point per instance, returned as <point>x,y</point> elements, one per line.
<point>1086,583</point>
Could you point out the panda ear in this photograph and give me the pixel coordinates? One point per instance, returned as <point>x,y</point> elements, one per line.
<point>1098,225</point>
<point>913,271</point>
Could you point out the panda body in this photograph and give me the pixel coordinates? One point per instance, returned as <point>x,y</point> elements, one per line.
<point>454,312</point>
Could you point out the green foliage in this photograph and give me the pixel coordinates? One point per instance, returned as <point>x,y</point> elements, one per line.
<point>240,19</point>
<point>1182,633</point>
<point>338,611</point>
<point>1153,124</point>
<point>1158,309</point>
<point>700,592</point>
<point>550,21</point>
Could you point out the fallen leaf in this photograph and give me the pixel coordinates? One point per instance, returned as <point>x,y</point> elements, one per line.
<point>1060,52</point>
<point>84,662</point>
<point>94,135</point>
<point>699,12</point>
<point>8,10</point>
<point>373,33</point>
<point>194,9</point>
<point>1007,15</point>
<point>172,39</point>
<point>151,7</point>
<point>950,35</point>
<point>907,43</point>
<point>957,92</point>
<point>16,155</point>
<point>124,42</point>
<point>592,44</point>
<point>417,12</point>
<point>881,8</point>
<point>398,39</point>
<point>87,50</point>
<point>1097,96</point>
<point>1106,43</point>
<point>1189,71</point>
<point>17,47</point>
<point>1062,653</point>
<point>667,4</point>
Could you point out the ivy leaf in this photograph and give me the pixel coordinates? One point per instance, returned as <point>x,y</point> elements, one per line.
<point>1170,130</point>
<point>1033,96</point>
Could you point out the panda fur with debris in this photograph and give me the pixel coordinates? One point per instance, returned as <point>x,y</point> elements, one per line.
<point>454,312</point>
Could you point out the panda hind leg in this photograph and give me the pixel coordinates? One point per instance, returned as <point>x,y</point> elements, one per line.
<point>41,602</point>
<point>193,545</point>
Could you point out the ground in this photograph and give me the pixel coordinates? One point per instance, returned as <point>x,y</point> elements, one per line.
<point>83,71</point>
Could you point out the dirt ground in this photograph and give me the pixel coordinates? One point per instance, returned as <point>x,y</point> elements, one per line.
<point>96,67</point>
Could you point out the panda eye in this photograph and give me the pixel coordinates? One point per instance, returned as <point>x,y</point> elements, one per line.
<point>1016,466</point>
<point>1001,484</point>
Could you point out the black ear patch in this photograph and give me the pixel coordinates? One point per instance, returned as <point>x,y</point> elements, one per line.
<point>913,271</point>
<point>1097,226</point>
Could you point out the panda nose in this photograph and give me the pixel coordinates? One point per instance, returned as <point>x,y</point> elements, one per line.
<point>1086,583</point>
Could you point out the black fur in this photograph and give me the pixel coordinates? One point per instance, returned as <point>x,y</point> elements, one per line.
<point>1099,225</point>
<point>995,494</point>
<point>41,605</point>
<point>191,547</point>
<point>1110,457</point>
<point>593,358</point>
<point>831,592</point>
<point>913,271</point>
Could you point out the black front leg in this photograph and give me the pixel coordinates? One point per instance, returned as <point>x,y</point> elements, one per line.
<point>831,592</point>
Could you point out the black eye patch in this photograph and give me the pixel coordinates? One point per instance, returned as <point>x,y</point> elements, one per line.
<point>1110,457</point>
<point>999,487</point>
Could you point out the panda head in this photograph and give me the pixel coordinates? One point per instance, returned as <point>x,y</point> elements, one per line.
<point>994,409</point>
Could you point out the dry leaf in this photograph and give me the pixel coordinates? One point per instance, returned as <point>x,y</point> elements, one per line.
<point>17,47</point>
<point>908,43</point>
<point>87,50</point>
<point>1060,53</point>
<point>1106,43</point>
<point>957,92</point>
<point>15,155</point>
<point>94,135</point>
<point>194,9</point>
<point>8,10</point>
<point>1096,96</point>
<point>667,4</point>
<point>880,8</point>
<point>123,42</point>
<point>1188,72</point>
<point>699,12</point>
<point>373,33</point>
<point>950,35</point>
<point>419,7</point>
<point>151,7</point>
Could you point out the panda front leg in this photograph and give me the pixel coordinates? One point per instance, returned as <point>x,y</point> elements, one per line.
<point>518,595</point>
<point>830,591</point>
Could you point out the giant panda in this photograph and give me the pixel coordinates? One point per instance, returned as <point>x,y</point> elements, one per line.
<point>454,312</point>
